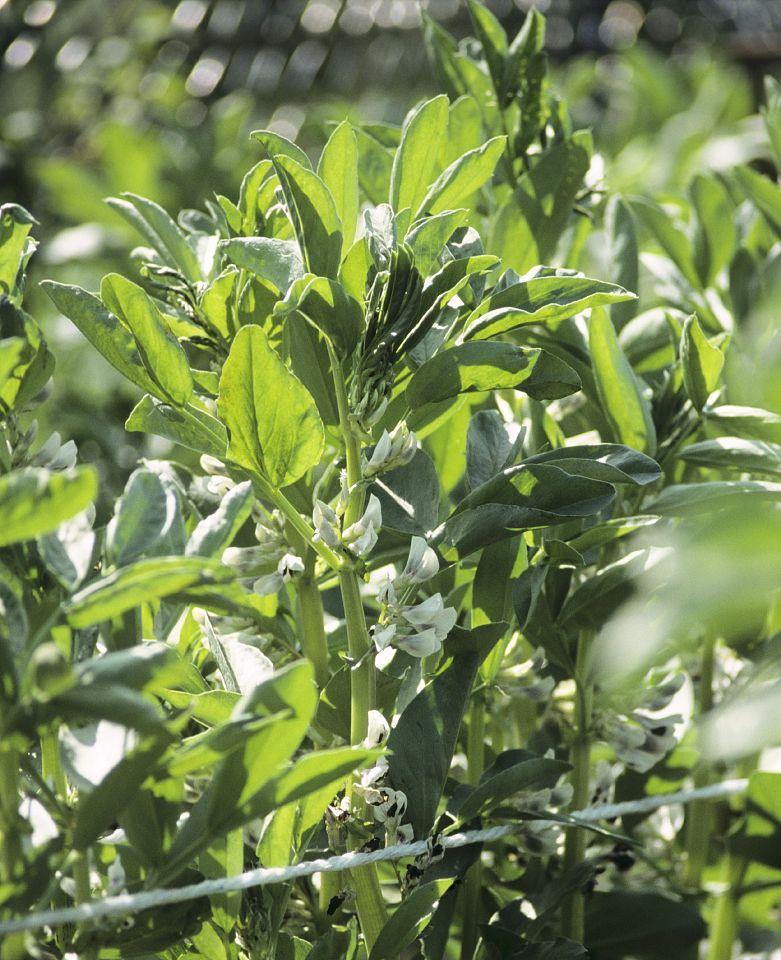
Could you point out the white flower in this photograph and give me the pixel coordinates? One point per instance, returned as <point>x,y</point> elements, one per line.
<point>326,524</point>
<point>422,563</point>
<point>389,806</point>
<point>288,567</point>
<point>212,465</point>
<point>375,774</point>
<point>432,613</point>
<point>393,450</point>
<point>405,833</point>
<point>361,536</point>
<point>116,877</point>
<point>421,644</point>
<point>220,486</point>
<point>378,730</point>
<point>383,636</point>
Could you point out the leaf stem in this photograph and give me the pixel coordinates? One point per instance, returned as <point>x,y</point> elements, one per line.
<point>475,757</point>
<point>368,894</point>
<point>9,801</point>
<point>312,621</point>
<point>572,920</point>
<point>265,489</point>
<point>699,813</point>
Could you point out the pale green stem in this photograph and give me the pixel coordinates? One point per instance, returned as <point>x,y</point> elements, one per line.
<point>475,757</point>
<point>724,925</point>
<point>312,622</point>
<point>10,845</point>
<point>699,815</point>
<point>51,766</point>
<point>299,523</point>
<point>368,894</point>
<point>573,911</point>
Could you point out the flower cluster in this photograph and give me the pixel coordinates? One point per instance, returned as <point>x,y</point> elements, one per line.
<point>388,806</point>
<point>543,837</point>
<point>359,538</point>
<point>526,679</point>
<point>418,629</point>
<point>271,564</point>
<point>639,738</point>
<point>394,449</point>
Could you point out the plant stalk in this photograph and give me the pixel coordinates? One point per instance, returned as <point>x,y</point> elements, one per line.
<point>475,757</point>
<point>10,843</point>
<point>724,925</point>
<point>370,903</point>
<point>312,621</point>
<point>699,815</point>
<point>573,911</point>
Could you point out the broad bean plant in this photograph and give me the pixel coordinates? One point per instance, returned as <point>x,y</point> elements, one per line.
<point>417,561</point>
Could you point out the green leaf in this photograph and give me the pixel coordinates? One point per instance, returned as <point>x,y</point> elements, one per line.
<point>623,403</point>
<point>527,229</point>
<point>765,194</point>
<point>274,425</point>
<point>623,257</point>
<point>622,923</point>
<point>701,363</point>
<point>104,331</point>
<point>217,531</point>
<point>610,462</point>
<point>278,261</point>
<point>145,518</point>
<point>685,498</point>
<point>409,920</point>
<point>416,159</point>
<point>428,236</point>
<point>188,426</point>
<point>507,778</point>
<point>290,698</point>
<point>746,421</point>
<point>735,453</point>
<point>216,302</point>
<point>338,169</point>
<point>421,744</point>
<point>716,235</point>
<point>759,838</point>
<point>462,178</point>
<point>142,582</point>
<point>99,808</point>
<point>160,352</point>
<point>479,366</point>
<point>374,167</point>
<point>35,501</point>
<point>520,498</point>
<point>670,237</point>
<point>328,307</point>
<point>160,231</point>
<point>315,220</point>
<point>542,299</point>
<point>15,224</point>
<point>488,447</point>
<point>409,496</point>
<point>492,39</point>
<point>276,145</point>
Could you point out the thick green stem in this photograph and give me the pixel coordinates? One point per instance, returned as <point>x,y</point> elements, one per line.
<point>51,766</point>
<point>572,918</point>
<point>475,757</point>
<point>699,815</point>
<point>312,622</point>
<point>724,925</point>
<point>299,523</point>
<point>10,845</point>
<point>368,894</point>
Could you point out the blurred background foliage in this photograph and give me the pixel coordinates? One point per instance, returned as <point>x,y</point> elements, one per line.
<point>157,98</point>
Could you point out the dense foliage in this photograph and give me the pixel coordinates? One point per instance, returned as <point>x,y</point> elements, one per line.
<point>464,512</point>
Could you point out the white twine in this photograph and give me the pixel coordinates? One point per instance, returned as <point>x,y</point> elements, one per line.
<point>127,903</point>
